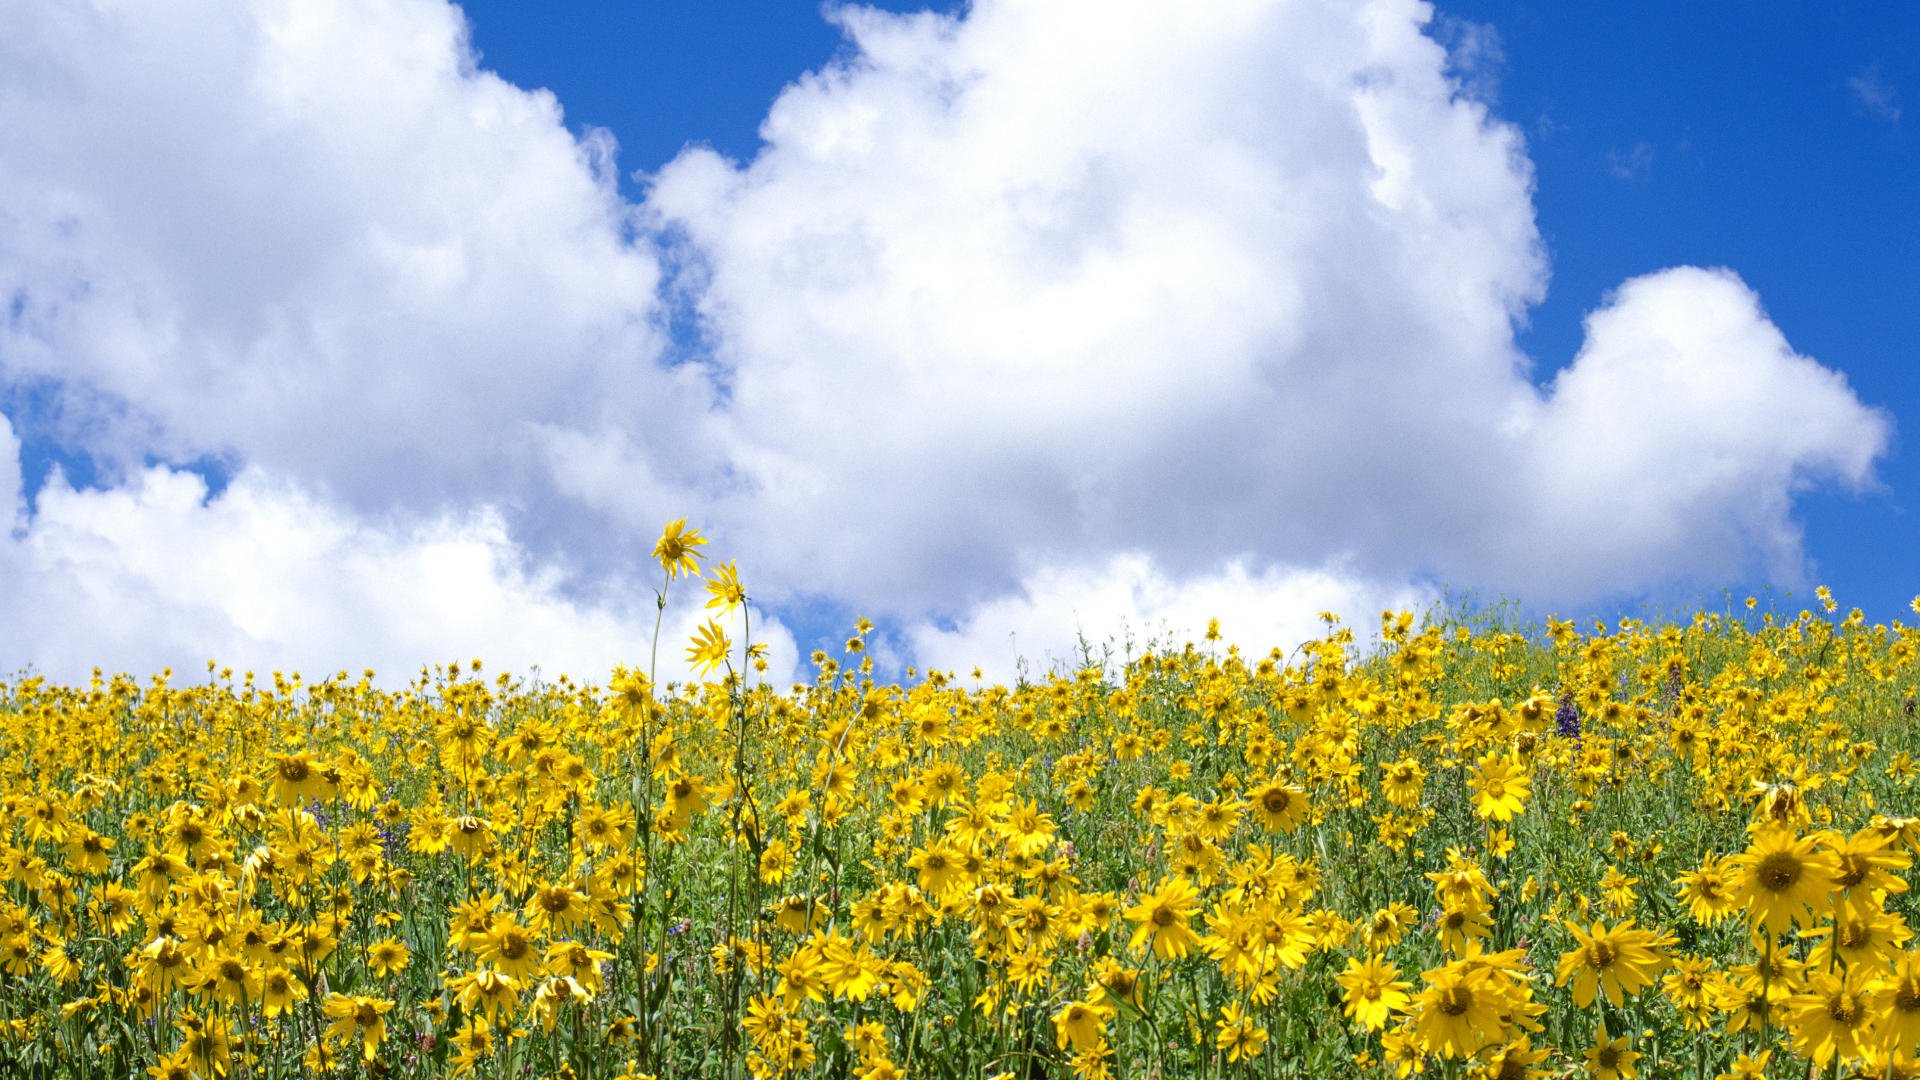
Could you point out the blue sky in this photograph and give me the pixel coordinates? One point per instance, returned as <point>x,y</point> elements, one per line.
<point>346,336</point>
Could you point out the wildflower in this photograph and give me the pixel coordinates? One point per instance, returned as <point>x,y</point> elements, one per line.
<point>1618,962</point>
<point>555,909</point>
<point>280,989</point>
<point>1279,806</point>
<point>724,590</point>
<point>686,797</point>
<point>1781,879</point>
<point>509,947</point>
<point>1895,1001</point>
<point>1027,831</point>
<point>388,956</point>
<point>1708,891</point>
<point>1831,1017</point>
<point>1163,919</point>
<point>487,993</point>
<point>1866,869</point>
<point>472,1044</point>
<point>228,979</point>
<point>1458,1011</point>
<point>1464,922</point>
<point>1500,788</point>
<point>1083,1024</point>
<point>1388,925</point>
<point>354,1015</point>
<point>1373,991</point>
<point>175,1066</point>
<point>678,547</point>
<point>1748,1067</point>
<point>1516,1060</point>
<point>1611,1059</point>
<point>1238,1034</point>
<point>1113,982</point>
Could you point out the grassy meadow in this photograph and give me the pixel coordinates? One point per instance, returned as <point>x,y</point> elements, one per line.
<point>1445,847</point>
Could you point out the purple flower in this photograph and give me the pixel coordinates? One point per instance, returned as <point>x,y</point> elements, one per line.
<point>1566,719</point>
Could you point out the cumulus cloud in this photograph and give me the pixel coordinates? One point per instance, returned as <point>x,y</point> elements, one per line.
<point>1197,286</point>
<point>1673,445</point>
<point>1231,286</point>
<point>318,238</point>
<point>1021,319</point>
<point>158,573</point>
<point>1064,616</point>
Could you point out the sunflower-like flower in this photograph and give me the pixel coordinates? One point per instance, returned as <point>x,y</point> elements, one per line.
<point>1708,891</point>
<point>1832,1017</point>
<point>352,1016</point>
<point>710,648</point>
<point>1611,1059</point>
<point>1895,998</point>
<point>1459,1011</point>
<point>1163,916</point>
<point>1081,1024</point>
<point>1782,879</point>
<point>1617,961</point>
<point>1500,787</point>
<point>1373,991</point>
<point>678,547</point>
<point>1239,1034</point>
<point>1279,806</point>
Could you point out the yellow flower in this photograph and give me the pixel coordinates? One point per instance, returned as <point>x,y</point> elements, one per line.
<point>1619,961</point>
<point>1462,923</point>
<point>1112,981</point>
<point>1083,1024</point>
<point>1385,927</point>
<point>1163,917</point>
<point>1238,1034</point>
<point>1746,1067</point>
<point>1374,991</point>
<point>1279,806</point>
<point>1708,891</point>
<point>555,909</point>
<point>1500,788</point>
<point>1459,1011</point>
<point>723,588</point>
<point>280,989</point>
<point>1831,1017</point>
<point>710,648</point>
<point>1515,1061</point>
<point>388,956</point>
<point>509,947</point>
<point>1782,880</point>
<point>686,797</point>
<point>676,548</point>
<point>486,992</point>
<point>1610,1059</point>
<point>353,1014</point>
<point>1896,1003</point>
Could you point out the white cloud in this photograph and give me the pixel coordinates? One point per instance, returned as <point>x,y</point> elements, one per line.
<point>1188,286</point>
<point>1672,446</point>
<point>1038,310</point>
<point>314,236</point>
<point>1875,94</point>
<point>1226,284</point>
<point>157,573</point>
<point>1061,615</point>
<point>1634,163</point>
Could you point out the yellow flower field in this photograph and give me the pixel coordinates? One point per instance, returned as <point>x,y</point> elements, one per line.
<point>1449,848</point>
